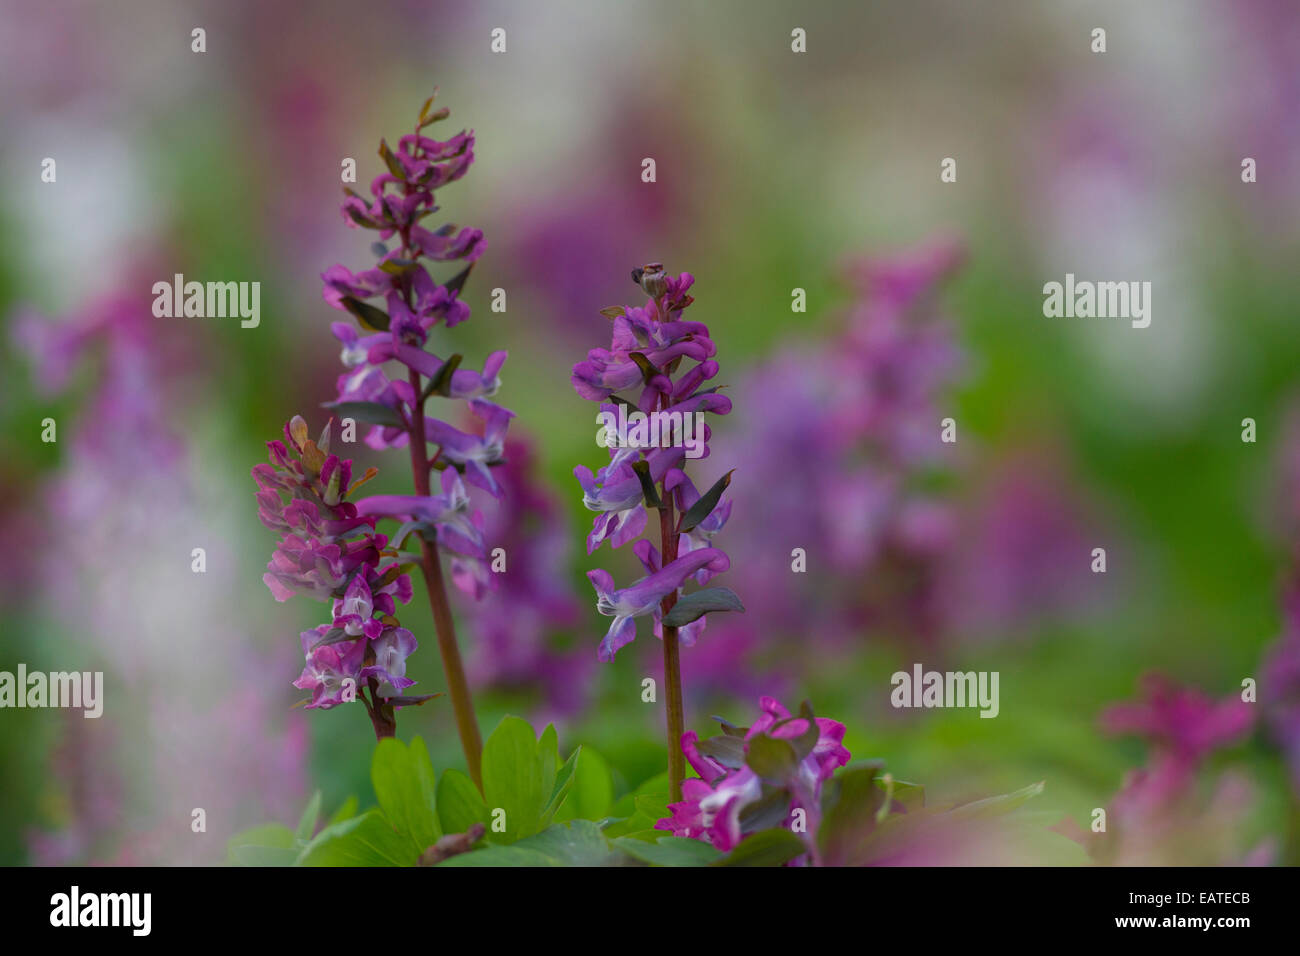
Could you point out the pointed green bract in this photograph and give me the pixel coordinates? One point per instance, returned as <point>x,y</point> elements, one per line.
<point>307,822</point>
<point>592,793</point>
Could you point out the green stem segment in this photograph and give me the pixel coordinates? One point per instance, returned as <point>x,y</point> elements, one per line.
<point>462,703</point>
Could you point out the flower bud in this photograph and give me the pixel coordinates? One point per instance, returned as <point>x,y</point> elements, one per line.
<point>653,279</point>
<point>297,432</point>
<point>331,496</point>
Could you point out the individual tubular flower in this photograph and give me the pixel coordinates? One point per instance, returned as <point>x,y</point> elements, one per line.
<point>770,774</point>
<point>645,596</point>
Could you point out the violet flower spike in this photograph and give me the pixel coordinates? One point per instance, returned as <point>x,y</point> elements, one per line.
<point>330,548</point>
<point>664,363</point>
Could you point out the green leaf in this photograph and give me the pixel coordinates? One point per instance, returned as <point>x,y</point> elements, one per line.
<point>996,806</point>
<point>400,535</point>
<point>307,822</point>
<point>730,729</point>
<point>441,380</point>
<point>563,783</point>
<point>434,117</point>
<point>403,778</point>
<point>576,843</point>
<point>457,282</point>
<point>335,635</point>
<point>770,810</point>
<point>396,265</point>
<point>592,792</point>
<point>501,856</point>
<point>367,840</point>
<point>807,741</point>
<point>372,413</point>
<point>648,369</point>
<point>705,505</point>
<point>910,795</point>
<point>460,805</point>
<point>648,489</point>
<point>386,154</point>
<point>271,844</point>
<point>263,856</point>
<point>770,757</point>
<point>725,749</point>
<point>346,811</point>
<point>371,318</point>
<point>669,851</point>
<point>656,786</point>
<point>548,752</point>
<point>649,809</point>
<point>768,848</point>
<point>409,700</point>
<point>849,806</point>
<point>426,117</point>
<point>698,603</point>
<point>512,779</point>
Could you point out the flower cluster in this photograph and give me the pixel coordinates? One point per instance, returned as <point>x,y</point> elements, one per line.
<point>329,551</point>
<point>750,779</point>
<point>648,358</point>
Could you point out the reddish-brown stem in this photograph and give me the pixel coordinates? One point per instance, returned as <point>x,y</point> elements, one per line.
<point>471,741</point>
<point>672,658</point>
<point>382,717</point>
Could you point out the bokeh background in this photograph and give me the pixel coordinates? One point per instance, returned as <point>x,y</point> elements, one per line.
<point>775,170</point>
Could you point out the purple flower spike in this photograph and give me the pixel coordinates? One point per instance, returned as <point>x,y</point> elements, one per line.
<point>329,547</point>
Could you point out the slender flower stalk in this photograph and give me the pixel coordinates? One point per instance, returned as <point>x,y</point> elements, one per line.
<point>672,661</point>
<point>649,346</point>
<point>471,739</point>
<point>443,524</point>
